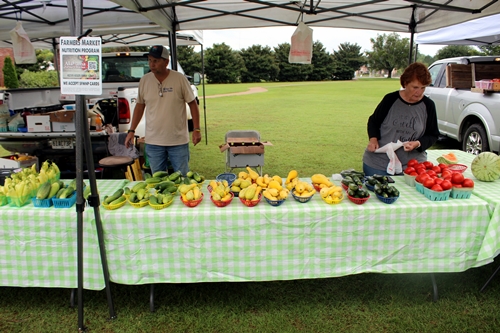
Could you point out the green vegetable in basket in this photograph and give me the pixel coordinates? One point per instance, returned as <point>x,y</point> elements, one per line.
<point>118,201</point>
<point>118,193</point>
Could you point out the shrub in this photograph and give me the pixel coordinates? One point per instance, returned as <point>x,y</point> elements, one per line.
<point>39,79</point>
<point>9,74</point>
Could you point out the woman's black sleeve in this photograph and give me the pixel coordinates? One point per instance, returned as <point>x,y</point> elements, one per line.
<point>431,133</point>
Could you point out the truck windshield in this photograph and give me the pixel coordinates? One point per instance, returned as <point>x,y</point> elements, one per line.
<point>129,69</point>
<point>126,68</point>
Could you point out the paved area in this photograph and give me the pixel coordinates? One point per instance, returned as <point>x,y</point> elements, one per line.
<point>253,90</point>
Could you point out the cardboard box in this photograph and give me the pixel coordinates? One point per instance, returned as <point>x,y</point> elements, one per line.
<point>62,121</point>
<point>244,146</point>
<point>13,162</point>
<point>38,123</point>
<point>63,127</point>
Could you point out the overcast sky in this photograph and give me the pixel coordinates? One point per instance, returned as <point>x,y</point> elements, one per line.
<point>239,39</point>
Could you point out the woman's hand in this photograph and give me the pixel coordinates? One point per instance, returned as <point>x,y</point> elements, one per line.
<point>372,145</point>
<point>411,145</point>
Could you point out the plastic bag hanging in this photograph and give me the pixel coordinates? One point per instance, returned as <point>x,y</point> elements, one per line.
<point>24,52</point>
<point>301,48</point>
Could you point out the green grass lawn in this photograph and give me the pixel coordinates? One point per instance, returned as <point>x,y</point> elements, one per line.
<point>315,127</point>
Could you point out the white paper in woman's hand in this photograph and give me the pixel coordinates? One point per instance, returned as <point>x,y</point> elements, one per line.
<point>394,165</point>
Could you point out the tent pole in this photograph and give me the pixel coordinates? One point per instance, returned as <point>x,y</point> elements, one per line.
<point>412,26</point>
<point>204,100</point>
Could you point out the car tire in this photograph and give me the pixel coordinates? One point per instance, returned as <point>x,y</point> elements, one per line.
<point>475,140</point>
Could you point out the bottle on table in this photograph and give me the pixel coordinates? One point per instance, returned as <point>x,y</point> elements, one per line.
<point>98,124</point>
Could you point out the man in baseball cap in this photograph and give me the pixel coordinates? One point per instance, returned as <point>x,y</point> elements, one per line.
<point>158,51</point>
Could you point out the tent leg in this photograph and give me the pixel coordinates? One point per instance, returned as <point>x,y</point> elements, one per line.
<point>434,288</point>
<point>489,280</point>
<point>94,202</point>
<point>152,298</point>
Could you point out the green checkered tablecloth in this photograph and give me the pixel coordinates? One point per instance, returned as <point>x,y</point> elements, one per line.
<point>295,240</point>
<point>237,243</point>
<point>38,246</point>
<point>488,191</point>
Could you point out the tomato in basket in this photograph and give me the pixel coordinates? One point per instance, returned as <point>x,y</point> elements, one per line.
<point>446,185</point>
<point>457,178</point>
<point>468,183</point>
<point>412,163</point>
<point>437,188</point>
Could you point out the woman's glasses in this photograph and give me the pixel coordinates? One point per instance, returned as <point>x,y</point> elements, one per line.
<point>160,90</point>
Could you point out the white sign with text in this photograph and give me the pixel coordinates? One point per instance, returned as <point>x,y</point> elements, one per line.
<point>80,61</point>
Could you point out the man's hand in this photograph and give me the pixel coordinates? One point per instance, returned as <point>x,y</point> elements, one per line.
<point>196,137</point>
<point>129,140</point>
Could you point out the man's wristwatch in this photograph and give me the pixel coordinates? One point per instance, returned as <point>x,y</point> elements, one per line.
<point>130,131</point>
<point>196,130</point>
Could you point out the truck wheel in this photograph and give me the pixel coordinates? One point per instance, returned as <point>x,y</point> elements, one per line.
<point>475,140</point>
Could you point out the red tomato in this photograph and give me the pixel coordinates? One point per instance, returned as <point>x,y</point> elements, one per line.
<point>446,185</point>
<point>438,180</point>
<point>446,174</point>
<point>429,183</point>
<point>428,164</point>
<point>420,170</point>
<point>468,183</point>
<point>436,169</point>
<point>409,170</point>
<point>437,188</point>
<point>442,166</point>
<point>422,177</point>
<point>457,178</point>
<point>457,185</point>
<point>431,173</point>
<point>419,165</point>
<point>414,174</point>
<point>412,163</point>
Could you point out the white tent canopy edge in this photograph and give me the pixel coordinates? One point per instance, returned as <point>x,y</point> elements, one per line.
<point>482,31</point>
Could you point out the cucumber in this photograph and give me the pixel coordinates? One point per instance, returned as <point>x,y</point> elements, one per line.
<point>133,197</point>
<point>68,192</point>
<point>43,191</point>
<point>175,175</point>
<point>113,197</point>
<point>60,191</point>
<point>138,186</point>
<point>117,201</point>
<point>160,174</point>
<point>153,180</point>
<point>163,185</point>
<point>153,200</point>
<point>197,177</point>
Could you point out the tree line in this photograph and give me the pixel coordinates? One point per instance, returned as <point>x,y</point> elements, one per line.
<point>265,64</point>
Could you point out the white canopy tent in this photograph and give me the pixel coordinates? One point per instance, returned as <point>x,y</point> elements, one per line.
<point>386,15</point>
<point>482,31</point>
<point>46,19</point>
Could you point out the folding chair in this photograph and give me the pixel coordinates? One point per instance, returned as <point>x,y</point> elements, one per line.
<point>121,157</point>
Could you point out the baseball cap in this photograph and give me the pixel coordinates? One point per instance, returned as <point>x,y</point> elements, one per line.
<point>158,51</point>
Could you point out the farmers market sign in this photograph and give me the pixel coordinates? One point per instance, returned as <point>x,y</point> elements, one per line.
<point>80,61</point>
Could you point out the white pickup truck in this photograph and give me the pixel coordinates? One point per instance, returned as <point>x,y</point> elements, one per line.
<point>466,111</point>
<point>121,73</point>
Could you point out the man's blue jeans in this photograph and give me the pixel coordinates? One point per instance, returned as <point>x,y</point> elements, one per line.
<point>159,157</point>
